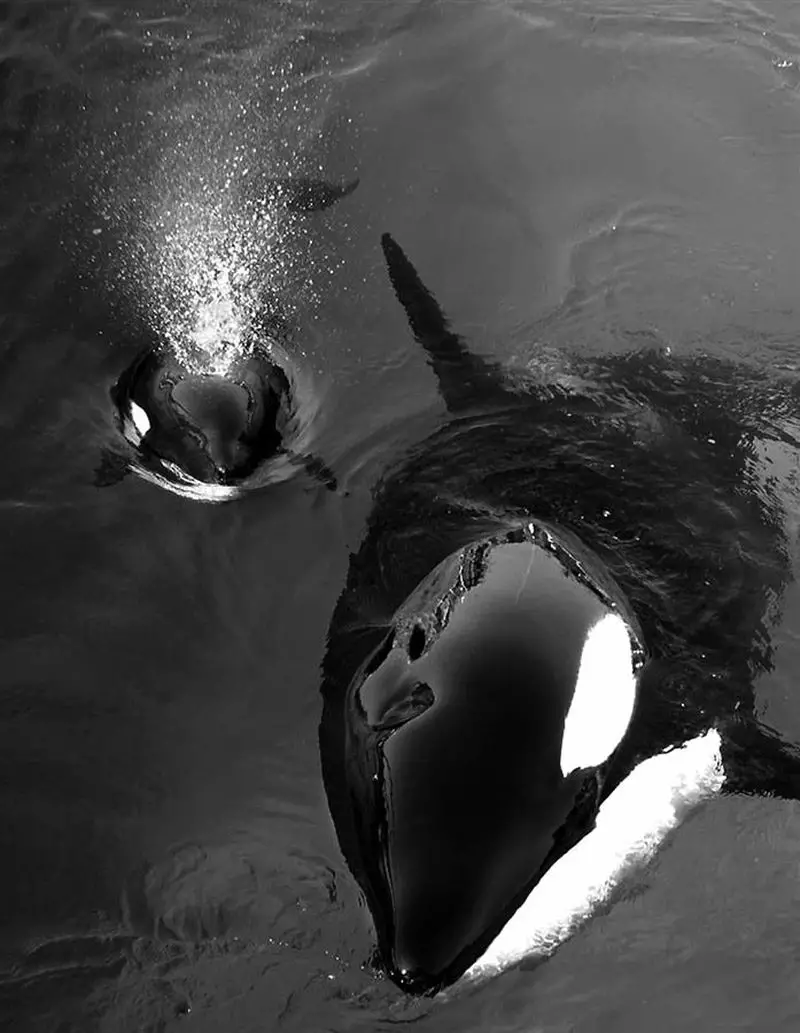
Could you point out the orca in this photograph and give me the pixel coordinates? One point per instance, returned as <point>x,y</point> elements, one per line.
<point>208,430</point>
<point>566,584</point>
<point>205,434</point>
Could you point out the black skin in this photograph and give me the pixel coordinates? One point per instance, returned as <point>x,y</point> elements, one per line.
<point>651,467</point>
<point>300,195</point>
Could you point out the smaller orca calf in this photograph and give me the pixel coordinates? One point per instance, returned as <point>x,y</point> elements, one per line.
<point>204,428</point>
<point>558,590</point>
<point>217,429</point>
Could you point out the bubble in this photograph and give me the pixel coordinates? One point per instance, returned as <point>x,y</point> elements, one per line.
<point>201,243</point>
<point>215,267</point>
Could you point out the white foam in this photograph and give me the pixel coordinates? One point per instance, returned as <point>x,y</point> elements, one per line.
<point>604,695</point>
<point>631,825</point>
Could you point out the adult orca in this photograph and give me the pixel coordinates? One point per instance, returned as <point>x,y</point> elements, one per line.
<point>206,434</point>
<point>561,584</point>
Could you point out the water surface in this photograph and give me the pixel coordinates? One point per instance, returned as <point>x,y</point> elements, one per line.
<point>573,180</point>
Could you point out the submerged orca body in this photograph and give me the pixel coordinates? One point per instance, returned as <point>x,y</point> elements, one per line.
<point>213,431</point>
<point>558,584</point>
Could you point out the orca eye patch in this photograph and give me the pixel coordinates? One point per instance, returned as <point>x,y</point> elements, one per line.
<point>602,702</point>
<point>140,418</point>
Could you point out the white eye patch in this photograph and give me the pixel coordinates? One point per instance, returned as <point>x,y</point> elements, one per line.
<point>605,693</point>
<point>140,419</point>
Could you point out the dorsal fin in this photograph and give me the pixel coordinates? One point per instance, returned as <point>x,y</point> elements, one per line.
<point>465,379</point>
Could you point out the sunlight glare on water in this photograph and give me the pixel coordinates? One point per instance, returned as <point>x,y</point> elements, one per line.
<point>206,283</point>
<point>208,241</point>
<point>218,254</point>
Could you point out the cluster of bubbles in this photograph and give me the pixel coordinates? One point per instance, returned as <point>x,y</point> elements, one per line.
<point>191,190</point>
<point>215,264</point>
<point>217,237</point>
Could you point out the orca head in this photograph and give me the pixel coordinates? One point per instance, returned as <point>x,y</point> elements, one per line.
<point>476,737</point>
<point>216,429</point>
<point>215,411</point>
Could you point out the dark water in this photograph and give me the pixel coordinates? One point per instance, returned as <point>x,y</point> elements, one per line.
<point>573,180</point>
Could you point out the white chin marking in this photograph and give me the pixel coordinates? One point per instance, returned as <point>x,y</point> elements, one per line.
<point>631,824</point>
<point>605,693</point>
<point>140,419</point>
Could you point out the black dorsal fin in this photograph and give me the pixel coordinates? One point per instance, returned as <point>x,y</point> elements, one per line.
<point>465,379</point>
